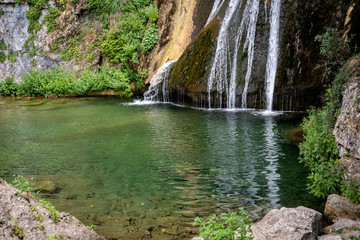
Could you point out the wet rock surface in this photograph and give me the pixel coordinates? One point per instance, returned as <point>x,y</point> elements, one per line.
<point>289,223</point>
<point>23,217</point>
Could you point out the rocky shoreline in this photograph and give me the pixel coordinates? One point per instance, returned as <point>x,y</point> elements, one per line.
<point>22,216</point>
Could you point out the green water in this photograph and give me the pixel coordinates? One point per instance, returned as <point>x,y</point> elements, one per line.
<point>149,170</point>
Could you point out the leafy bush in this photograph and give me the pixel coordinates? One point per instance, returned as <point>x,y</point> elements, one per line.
<point>50,19</point>
<point>225,227</point>
<point>8,87</point>
<point>58,81</point>
<point>44,83</point>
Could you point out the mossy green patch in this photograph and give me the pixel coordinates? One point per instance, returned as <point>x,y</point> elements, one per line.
<point>2,45</point>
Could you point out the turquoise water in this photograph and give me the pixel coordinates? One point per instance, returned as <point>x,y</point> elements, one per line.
<point>151,169</point>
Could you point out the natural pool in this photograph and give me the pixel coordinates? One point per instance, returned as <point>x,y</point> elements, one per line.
<point>146,171</point>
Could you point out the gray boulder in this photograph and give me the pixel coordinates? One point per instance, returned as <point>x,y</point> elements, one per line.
<point>288,223</point>
<point>337,207</point>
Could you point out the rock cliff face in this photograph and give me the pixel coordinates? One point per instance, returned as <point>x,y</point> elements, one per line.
<point>347,128</point>
<point>16,58</point>
<point>299,84</point>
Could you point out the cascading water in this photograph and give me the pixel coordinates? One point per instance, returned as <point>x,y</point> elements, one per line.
<point>159,83</point>
<point>215,10</point>
<point>249,20</point>
<point>218,75</point>
<point>272,59</point>
<point>235,54</point>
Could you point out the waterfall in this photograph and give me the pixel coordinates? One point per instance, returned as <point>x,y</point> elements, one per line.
<point>249,18</point>
<point>218,74</point>
<point>215,10</point>
<point>159,84</point>
<point>272,59</point>
<point>247,31</point>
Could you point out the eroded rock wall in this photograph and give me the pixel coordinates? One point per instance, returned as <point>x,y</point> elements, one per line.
<point>15,57</point>
<point>179,22</point>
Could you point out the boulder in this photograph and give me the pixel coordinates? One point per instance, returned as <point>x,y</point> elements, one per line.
<point>22,216</point>
<point>342,225</point>
<point>337,207</point>
<point>288,223</point>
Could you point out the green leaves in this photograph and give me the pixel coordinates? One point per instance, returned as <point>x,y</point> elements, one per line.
<point>227,226</point>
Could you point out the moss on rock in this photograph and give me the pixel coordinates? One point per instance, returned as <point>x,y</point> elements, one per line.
<point>189,73</point>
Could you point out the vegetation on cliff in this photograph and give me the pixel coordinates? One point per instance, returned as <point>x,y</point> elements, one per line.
<point>88,47</point>
<point>319,151</point>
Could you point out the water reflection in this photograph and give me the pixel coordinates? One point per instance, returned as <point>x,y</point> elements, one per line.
<point>272,152</point>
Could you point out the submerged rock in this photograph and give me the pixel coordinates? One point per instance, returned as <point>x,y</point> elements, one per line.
<point>289,223</point>
<point>338,207</point>
<point>47,187</point>
<point>22,216</point>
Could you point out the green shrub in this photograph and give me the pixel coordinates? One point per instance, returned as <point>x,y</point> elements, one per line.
<point>2,57</point>
<point>50,19</point>
<point>2,45</point>
<point>225,227</point>
<point>106,78</point>
<point>8,87</point>
<point>46,82</point>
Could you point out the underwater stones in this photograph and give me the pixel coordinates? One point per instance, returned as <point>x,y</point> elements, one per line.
<point>295,135</point>
<point>337,207</point>
<point>47,187</point>
<point>288,223</point>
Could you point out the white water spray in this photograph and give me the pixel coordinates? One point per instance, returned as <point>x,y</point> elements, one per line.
<point>272,59</point>
<point>160,81</point>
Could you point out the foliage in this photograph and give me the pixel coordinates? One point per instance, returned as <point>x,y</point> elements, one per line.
<point>2,57</point>
<point>12,56</point>
<point>227,226</point>
<point>319,150</point>
<point>8,87</point>
<point>50,19</point>
<point>123,44</point>
<point>23,184</point>
<point>54,213</point>
<point>106,78</point>
<point>34,13</point>
<point>320,154</point>
<point>44,83</point>
<point>92,227</point>
<point>333,47</point>
<point>2,45</point>
<point>59,82</point>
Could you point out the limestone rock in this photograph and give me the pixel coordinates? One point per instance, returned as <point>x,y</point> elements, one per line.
<point>342,225</point>
<point>339,207</point>
<point>347,128</point>
<point>288,223</point>
<point>23,217</point>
